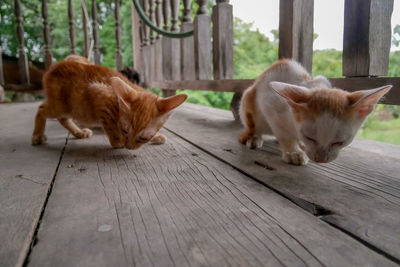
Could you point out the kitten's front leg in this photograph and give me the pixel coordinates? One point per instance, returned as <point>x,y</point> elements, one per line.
<point>112,134</point>
<point>158,139</point>
<point>292,152</point>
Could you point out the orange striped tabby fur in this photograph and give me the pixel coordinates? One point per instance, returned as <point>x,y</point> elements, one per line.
<point>308,117</point>
<point>92,95</point>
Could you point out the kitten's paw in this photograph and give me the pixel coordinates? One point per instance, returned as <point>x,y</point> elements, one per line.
<point>254,142</point>
<point>158,139</point>
<point>85,133</point>
<point>295,158</point>
<point>38,139</point>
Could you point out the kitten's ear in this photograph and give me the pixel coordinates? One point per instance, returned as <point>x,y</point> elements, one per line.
<point>167,104</point>
<point>293,93</point>
<point>363,102</point>
<point>123,90</point>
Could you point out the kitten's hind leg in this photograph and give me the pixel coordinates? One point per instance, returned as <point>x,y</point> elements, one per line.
<point>74,129</point>
<point>249,136</point>
<point>38,136</point>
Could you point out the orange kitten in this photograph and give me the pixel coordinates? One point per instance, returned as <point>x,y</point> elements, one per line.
<point>91,94</point>
<point>79,59</point>
<point>308,117</point>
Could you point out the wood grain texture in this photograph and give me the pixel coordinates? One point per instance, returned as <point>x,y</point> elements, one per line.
<point>202,46</point>
<point>25,177</point>
<point>174,205</point>
<point>296,30</point>
<point>367,37</point>
<point>222,18</point>
<point>359,192</point>
<point>187,54</point>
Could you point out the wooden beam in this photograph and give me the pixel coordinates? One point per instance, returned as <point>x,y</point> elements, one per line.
<point>85,30</point>
<point>1,67</point>
<point>136,42</point>
<point>349,84</point>
<point>366,37</point>
<point>296,30</point>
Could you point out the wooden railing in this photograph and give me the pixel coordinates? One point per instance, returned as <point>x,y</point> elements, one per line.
<point>204,60</point>
<point>366,48</point>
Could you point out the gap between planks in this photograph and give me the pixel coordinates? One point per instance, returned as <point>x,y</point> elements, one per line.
<point>24,258</point>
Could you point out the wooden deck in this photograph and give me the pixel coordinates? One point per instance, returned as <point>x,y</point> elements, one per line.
<point>202,199</point>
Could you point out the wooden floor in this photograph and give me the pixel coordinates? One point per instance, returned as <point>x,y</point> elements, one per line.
<point>201,199</point>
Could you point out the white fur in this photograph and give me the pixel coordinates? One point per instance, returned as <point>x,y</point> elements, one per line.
<point>274,115</point>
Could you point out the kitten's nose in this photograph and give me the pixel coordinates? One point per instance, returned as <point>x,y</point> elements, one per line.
<point>321,157</point>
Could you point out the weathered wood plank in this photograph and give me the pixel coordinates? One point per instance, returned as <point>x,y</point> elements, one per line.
<point>85,18</point>
<point>349,84</point>
<point>202,42</point>
<point>367,37</point>
<point>359,192</point>
<point>296,30</point>
<point>25,178</point>
<point>174,205</point>
<point>187,44</point>
<point>222,18</point>
<point>136,40</point>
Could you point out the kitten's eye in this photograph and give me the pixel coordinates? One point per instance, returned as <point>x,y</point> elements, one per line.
<point>310,139</point>
<point>337,144</point>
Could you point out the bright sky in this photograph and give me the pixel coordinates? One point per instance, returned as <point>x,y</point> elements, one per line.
<point>328,18</point>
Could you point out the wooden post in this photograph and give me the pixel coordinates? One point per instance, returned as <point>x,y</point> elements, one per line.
<point>202,42</point>
<point>296,30</point>
<point>46,34</point>
<point>96,51</point>
<point>145,46</point>
<point>85,30</point>
<point>222,18</point>
<point>366,37</point>
<point>118,53</point>
<point>23,59</point>
<point>71,27</point>
<point>187,44</point>
<point>152,48</point>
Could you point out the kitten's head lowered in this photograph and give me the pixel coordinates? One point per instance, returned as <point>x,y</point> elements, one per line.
<point>328,118</point>
<point>141,113</point>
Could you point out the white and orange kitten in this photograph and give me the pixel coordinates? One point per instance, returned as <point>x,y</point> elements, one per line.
<point>310,119</point>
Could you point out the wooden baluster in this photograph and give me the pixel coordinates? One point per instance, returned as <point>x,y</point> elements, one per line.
<point>23,59</point>
<point>222,18</point>
<point>71,27</point>
<point>175,14</point>
<point>145,46</point>
<point>366,37</point>
<point>158,44</point>
<point>153,19</point>
<point>146,28</point>
<point>2,82</point>
<point>85,30</point>
<point>96,51</point>
<point>202,42</point>
<point>187,44</point>
<point>46,34</point>
<point>118,53</point>
<point>167,49</point>
<point>137,40</point>
<point>296,18</point>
